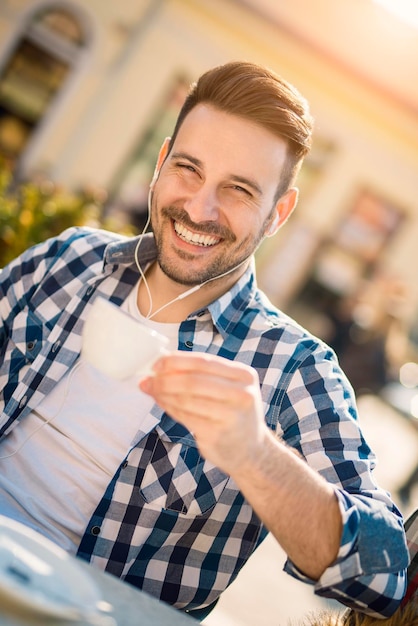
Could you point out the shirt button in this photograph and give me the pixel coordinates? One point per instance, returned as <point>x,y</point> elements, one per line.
<point>30,345</point>
<point>89,290</point>
<point>23,402</point>
<point>188,344</point>
<point>125,465</point>
<point>56,346</point>
<point>95,530</point>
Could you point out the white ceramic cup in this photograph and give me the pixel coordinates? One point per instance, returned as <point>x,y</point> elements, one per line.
<point>117,344</point>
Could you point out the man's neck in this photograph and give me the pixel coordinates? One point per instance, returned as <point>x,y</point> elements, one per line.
<point>167,304</point>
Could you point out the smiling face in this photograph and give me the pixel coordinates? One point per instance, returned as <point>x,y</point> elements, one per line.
<point>214,197</point>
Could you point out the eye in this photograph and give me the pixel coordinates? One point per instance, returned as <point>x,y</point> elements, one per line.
<point>187,167</point>
<point>242,190</point>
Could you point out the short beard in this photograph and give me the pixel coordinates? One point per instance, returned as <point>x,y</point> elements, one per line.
<point>215,270</point>
<point>217,267</point>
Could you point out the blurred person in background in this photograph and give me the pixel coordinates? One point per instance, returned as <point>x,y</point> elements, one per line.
<point>247,426</point>
<point>367,332</point>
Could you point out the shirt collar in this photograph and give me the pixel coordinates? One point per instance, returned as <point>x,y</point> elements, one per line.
<point>226,311</point>
<point>122,252</point>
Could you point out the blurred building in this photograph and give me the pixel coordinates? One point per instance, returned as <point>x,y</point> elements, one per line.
<point>89,89</point>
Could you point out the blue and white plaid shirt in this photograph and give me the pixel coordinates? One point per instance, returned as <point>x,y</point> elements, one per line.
<point>170,522</point>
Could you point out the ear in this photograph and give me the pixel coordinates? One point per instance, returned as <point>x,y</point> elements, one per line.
<point>160,160</point>
<point>284,208</point>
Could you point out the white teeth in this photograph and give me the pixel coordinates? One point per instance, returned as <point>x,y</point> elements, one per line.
<point>187,235</point>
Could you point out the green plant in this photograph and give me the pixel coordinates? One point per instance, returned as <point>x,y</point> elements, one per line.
<point>31,212</point>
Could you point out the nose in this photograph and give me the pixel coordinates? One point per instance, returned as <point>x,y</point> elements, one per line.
<point>202,204</point>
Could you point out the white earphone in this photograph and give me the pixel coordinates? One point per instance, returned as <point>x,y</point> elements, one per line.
<point>272,228</point>
<point>154,178</point>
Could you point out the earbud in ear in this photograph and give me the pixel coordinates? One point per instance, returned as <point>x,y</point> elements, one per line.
<point>272,228</point>
<point>161,158</point>
<point>154,177</point>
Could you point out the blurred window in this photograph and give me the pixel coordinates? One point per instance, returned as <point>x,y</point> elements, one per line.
<point>129,188</point>
<point>63,24</point>
<point>36,70</point>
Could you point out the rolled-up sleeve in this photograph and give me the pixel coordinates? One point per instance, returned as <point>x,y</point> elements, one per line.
<point>320,421</point>
<point>369,573</point>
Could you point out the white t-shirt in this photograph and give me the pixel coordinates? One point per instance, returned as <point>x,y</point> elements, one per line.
<point>59,460</point>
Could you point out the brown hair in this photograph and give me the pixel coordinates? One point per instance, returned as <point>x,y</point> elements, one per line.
<point>404,616</point>
<point>257,94</point>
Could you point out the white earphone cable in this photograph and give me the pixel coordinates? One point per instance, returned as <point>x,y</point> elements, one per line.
<point>149,315</point>
<point>183,295</point>
<point>49,420</point>
<point>137,263</point>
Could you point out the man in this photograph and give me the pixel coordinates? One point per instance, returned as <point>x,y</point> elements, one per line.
<point>247,426</point>
<point>407,612</point>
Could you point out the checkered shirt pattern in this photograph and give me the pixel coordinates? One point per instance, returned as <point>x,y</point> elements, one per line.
<point>170,522</point>
<point>411,528</point>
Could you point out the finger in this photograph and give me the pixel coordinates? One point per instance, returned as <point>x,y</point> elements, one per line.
<point>205,364</point>
<point>199,396</point>
<point>206,408</point>
<point>195,387</point>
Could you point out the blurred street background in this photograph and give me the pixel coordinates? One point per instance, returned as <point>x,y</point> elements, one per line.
<point>90,89</point>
